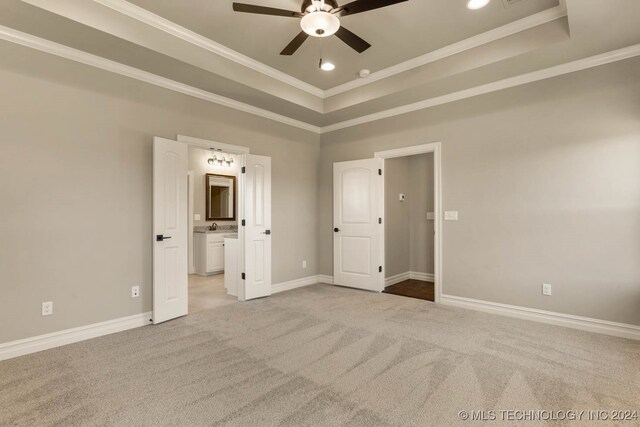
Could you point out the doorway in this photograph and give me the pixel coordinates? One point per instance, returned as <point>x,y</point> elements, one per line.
<point>409,226</point>
<point>241,250</point>
<point>359,221</point>
<point>429,228</point>
<point>213,211</point>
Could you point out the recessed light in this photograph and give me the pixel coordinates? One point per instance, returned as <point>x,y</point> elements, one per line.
<point>477,4</point>
<point>327,66</point>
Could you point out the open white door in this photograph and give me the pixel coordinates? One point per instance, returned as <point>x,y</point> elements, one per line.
<point>170,270</point>
<point>257,229</point>
<point>357,261</point>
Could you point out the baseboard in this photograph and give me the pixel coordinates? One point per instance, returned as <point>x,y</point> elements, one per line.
<point>392,280</point>
<point>425,277</point>
<point>414,275</point>
<point>68,336</point>
<point>576,322</point>
<point>323,278</point>
<point>294,284</point>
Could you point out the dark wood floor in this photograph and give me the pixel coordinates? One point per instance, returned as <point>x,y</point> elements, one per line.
<point>413,289</point>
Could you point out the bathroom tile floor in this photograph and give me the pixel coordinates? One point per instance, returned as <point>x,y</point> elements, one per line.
<point>207,292</point>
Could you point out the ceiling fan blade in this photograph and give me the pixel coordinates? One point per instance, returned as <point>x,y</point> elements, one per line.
<point>295,44</point>
<point>355,42</point>
<point>364,6</point>
<point>250,8</point>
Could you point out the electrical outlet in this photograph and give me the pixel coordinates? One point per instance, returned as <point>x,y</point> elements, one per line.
<point>47,308</point>
<point>196,217</point>
<point>135,291</point>
<point>304,263</point>
<point>546,289</point>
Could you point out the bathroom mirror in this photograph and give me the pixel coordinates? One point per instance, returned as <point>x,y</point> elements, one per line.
<point>220,197</point>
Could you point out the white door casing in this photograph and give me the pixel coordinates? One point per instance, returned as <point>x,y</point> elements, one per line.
<point>436,149</point>
<point>170,247</point>
<point>257,229</point>
<point>357,229</point>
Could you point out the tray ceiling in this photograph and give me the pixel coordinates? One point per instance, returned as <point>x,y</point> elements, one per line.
<point>397,33</point>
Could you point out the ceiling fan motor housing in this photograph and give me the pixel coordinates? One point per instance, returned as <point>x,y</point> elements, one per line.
<point>329,5</point>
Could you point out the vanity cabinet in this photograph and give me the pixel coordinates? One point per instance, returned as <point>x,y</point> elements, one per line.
<point>209,253</point>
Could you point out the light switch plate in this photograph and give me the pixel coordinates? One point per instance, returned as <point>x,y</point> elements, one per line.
<point>431,215</point>
<point>451,215</point>
<point>546,289</point>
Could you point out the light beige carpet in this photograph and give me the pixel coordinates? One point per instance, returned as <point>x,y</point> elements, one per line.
<point>321,356</point>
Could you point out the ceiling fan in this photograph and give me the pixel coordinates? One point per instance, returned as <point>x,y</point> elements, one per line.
<point>321,18</point>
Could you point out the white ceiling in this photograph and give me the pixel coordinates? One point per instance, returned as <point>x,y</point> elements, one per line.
<point>397,33</point>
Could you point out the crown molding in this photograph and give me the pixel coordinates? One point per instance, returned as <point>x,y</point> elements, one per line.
<point>47,46</point>
<point>60,50</point>
<point>507,30</point>
<point>534,76</point>
<point>140,14</point>
<point>162,24</point>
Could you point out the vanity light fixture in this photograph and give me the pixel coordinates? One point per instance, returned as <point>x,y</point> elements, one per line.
<point>477,4</point>
<point>220,161</point>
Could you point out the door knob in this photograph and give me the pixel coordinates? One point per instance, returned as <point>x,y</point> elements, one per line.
<point>336,230</point>
<point>160,237</point>
<point>267,232</point>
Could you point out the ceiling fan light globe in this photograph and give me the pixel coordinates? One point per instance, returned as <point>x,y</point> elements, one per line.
<point>327,66</point>
<point>320,24</point>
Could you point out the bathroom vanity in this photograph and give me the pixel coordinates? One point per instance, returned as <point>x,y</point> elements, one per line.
<point>209,252</point>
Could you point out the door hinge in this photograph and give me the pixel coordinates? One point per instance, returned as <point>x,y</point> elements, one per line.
<point>244,276</point>
<point>379,220</point>
<point>380,269</point>
<point>244,223</point>
<point>379,171</point>
<point>244,170</point>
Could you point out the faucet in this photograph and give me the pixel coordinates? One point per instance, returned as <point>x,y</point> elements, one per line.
<point>214,226</point>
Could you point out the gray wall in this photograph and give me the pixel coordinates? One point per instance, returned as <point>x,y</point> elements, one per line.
<point>397,227</point>
<point>546,178</point>
<point>408,233</point>
<point>76,169</point>
<point>421,202</point>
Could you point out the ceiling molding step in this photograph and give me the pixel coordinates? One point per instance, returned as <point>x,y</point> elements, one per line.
<point>534,76</point>
<point>142,15</point>
<point>162,24</point>
<point>47,46</point>
<point>507,30</point>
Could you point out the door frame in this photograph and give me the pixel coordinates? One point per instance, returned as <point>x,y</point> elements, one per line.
<point>190,201</point>
<point>436,149</point>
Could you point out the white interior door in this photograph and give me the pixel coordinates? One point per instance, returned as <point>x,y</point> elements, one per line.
<point>170,269</point>
<point>357,261</point>
<point>257,229</point>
